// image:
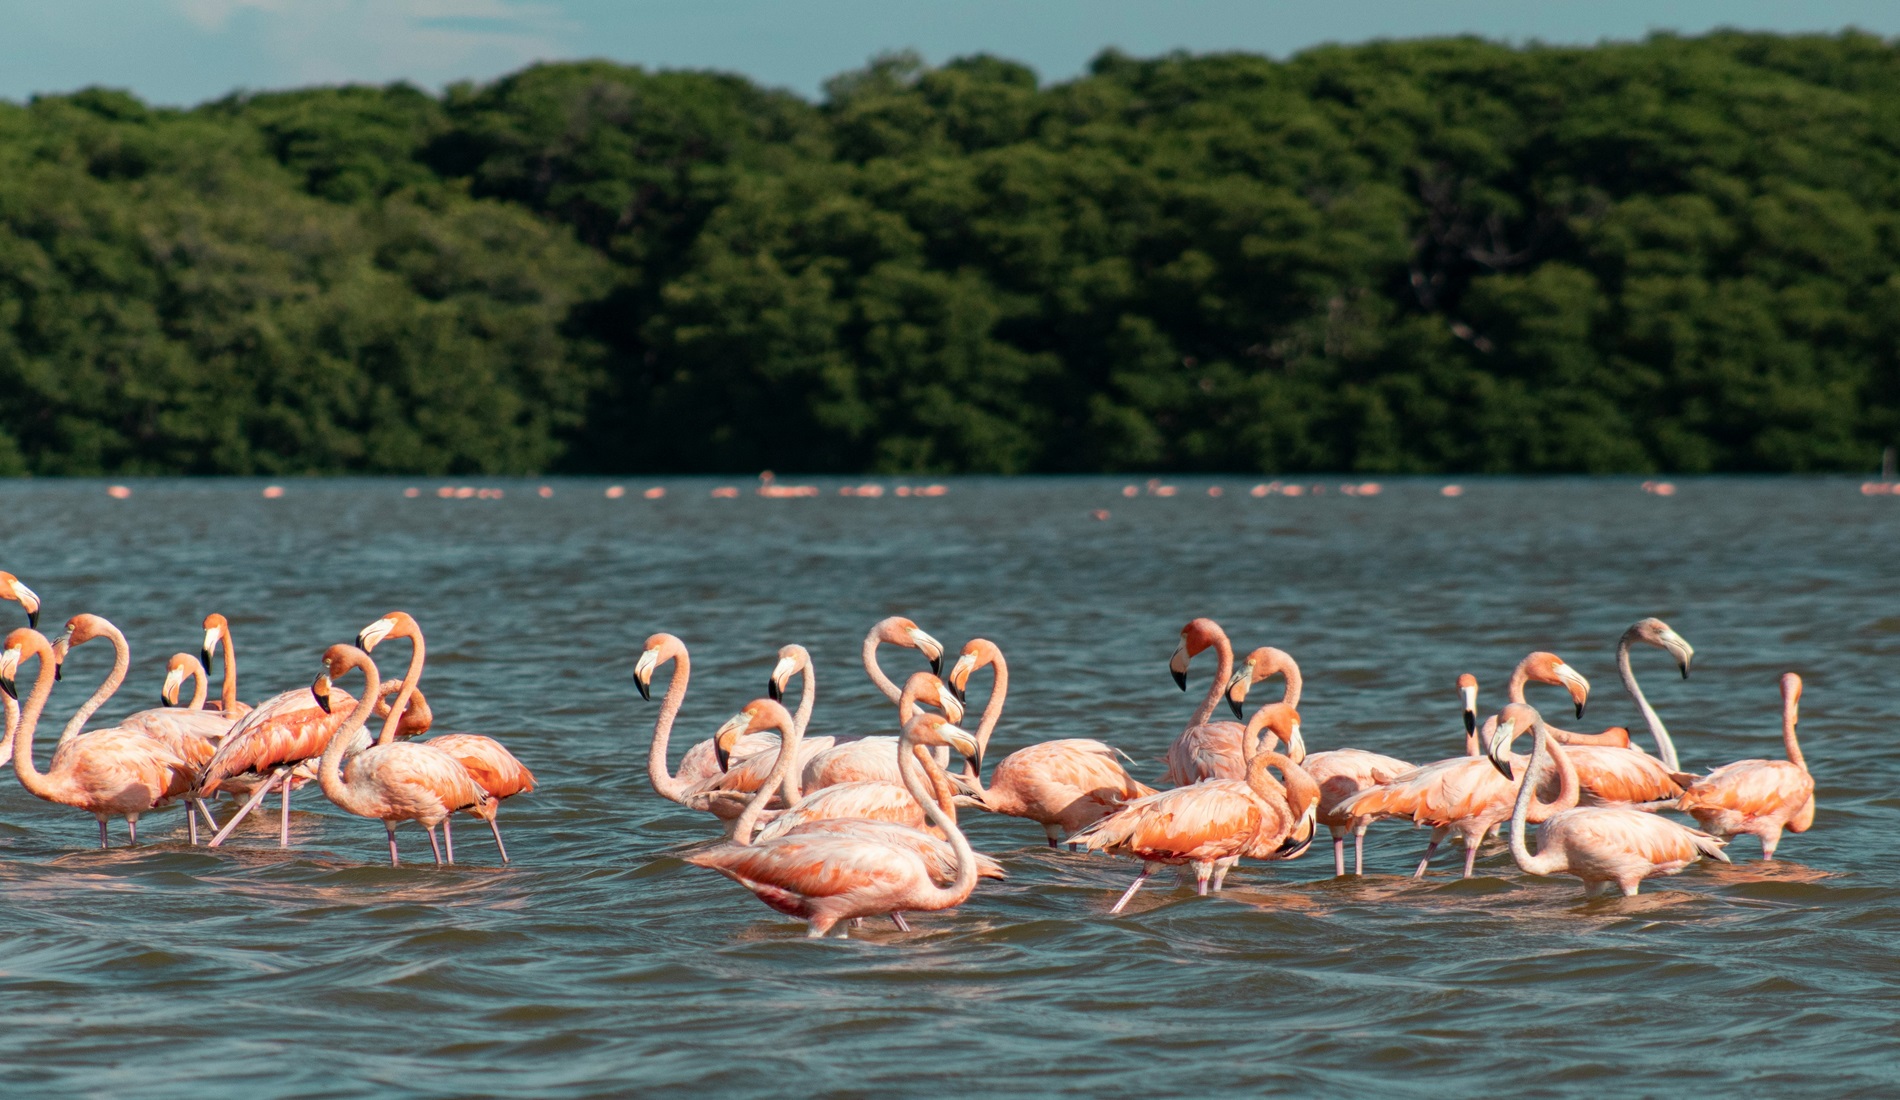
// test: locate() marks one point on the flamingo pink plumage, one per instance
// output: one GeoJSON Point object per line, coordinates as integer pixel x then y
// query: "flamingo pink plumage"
{"type": "Point", "coordinates": [218, 635]}
{"type": "Point", "coordinates": [1759, 797]}
{"type": "Point", "coordinates": [865, 759]}
{"type": "Point", "coordinates": [12, 589]}
{"type": "Point", "coordinates": [1611, 772]}
{"type": "Point", "coordinates": [1195, 753]}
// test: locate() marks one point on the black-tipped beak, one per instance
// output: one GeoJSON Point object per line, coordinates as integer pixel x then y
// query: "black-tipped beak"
{"type": "Point", "coordinates": [1471, 722]}
{"type": "Point", "coordinates": [1292, 848]}
{"type": "Point", "coordinates": [1180, 679]}
{"type": "Point", "coordinates": [359, 642]}
{"type": "Point", "coordinates": [7, 685]}
{"type": "Point", "coordinates": [720, 754]}
{"type": "Point", "coordinates": [164, 702]}
{"type": "Point", "coordinates": [772, 691]}
{"type": "Point", "coordinates": [1503, 769]}
{"type": "Point", "coordinates": [1580, 710]}
{"type": "Point", "coordinates": [1684, 666]}
{"type": "Point", "coordinates": [33, 621]}
{"type": "Point", "coordinates": [1235, 705]}
{"type": "Point", "coordinates": [58, 672]}
{"type": "Point", "coordinates": [323, 701]}
{"type": "Point", "coordinates": [958, 692]}
{"type": "Point", "coordinates": [936, 665]}
{"type": "Point", "coordinates": [204, 658]}
{"type": "Point", "coordinates": [645, 692]}
{"type": "Point", "coordinates": [976, 764]}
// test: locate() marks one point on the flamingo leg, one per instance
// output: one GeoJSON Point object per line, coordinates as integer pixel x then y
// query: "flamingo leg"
{"type": "Point", "coordinates": [1359, 851]}
{"type": "Point", "coordinates": [434, 847]}
{"type": "Point", "coordinates": [102, 833]}
{"type": "Point", "coordinates": [393, 861]}
{"type": "Point", "coordinates": [1054, 833]}
{"type": "Point", "coordinates": [496, 829]}
{"type": "Point", "coordinates": [1339, 853]}
{"type": "Point", "coordinates": [1147, 871]}
{"type": "Point", "coordinates": [206, 812]}
{"type": "Point", "coordinates": [191, 823]}
{"type": "Point", "coordinates": [1438, 835]}
{"type": "Point", "coordinates": [1221, 868]}
{"type": "Point", "coordinates": [1471, 858]}
{"type": "Point", "coordinates": [256, 797]}
{"type": "Point", "coordinates": [448, 837]}
{"type": "Point", "coordinates": [898, 919]}
{"type": "Point", "coordinates": [283, 817]}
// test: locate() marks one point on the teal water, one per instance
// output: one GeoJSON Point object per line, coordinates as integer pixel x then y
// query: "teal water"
{"type": "Point", "coordinates": [600, 964]}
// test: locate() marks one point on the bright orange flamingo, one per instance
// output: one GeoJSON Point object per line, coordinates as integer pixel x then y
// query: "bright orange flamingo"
{"type": "Point", "coordinates": [1610, 771]}
{"type": "Point", "coordinates": [828, 877]}
{"type": "Point", "coordinates": [1759, 797]}
{"type": "Point", "coordinates": [107, 773]}
{"type": "Point", "coordinates": [12, 589]}
{"type": "Point", "coordinates": [395, 782]}
{"type": "Point", "coordinates": [1196, 752]}
{"type": "Point", "coordinates": [275, 745]}
{"type": "Point", "coordinates": [488, 761]}
{"type": "Point", "coordinates": [863, 759]}
{"type": "Point", "coordinates": [1216, 821]}
{"type": "Point", "coordinates": [218, 633]}
{"type": "Point", "coordinates": [1598, 844]}
{"type": "Point", "coordinates": [1064, 785]}
{"type": "Point", "coordinates": [900, 631]}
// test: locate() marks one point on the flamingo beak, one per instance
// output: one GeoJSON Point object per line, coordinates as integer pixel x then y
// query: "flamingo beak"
{"type": "Point", "coordinates": [1680, 649]}
{"type": "Point", "coordinates": [1501, 746]}
{"type": "Point", "coordinates": [367, 637]}
{"type": "Point", "coordinates": [61, 647]}
{"type": "Point", "coordinates": [1178, 666]}
{"type": "Point", "coordinates": [174, 679]}
{"type": "Point", "coordinates": [10, 668]}
{"type": "Point", "coordinates": [932, 648]}
{"type": "Point", "coordinates": [781, 676]}
{"type": "Point", "coordinates": [208, 650]}
{"type": "Point", "coordinates": [1301, 838]}
{"type": "Point", "coordinates": [1296, 745]}
{"type": "Point", "coordinates": [961, 741]}
{"type": "Point", "coordinates": [960, 675]}
{"type": "Point", "coordinates": [952, 707]}
{"type": "Point", "coordinates": [1471, 709]}
{"type": "Point", "coordinates": [320, 689]}
{"type": "Point", "coordinates": [1236, 689]}
{"type": "Point", "coordinates": [1574, 682]}
{"type": "Point", "coordinates": [29, 600]}
{"type": "Point", "coordinates": [643, 673]}
{"type": "Point", "coordinates": [727, 737]}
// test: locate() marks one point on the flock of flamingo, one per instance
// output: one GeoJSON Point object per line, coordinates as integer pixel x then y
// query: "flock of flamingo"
{"type": "Point", "coordinates": [834, 830]}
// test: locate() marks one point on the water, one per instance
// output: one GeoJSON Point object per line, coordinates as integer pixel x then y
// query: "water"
{"type": "Point", "coordinates": [600, 964]}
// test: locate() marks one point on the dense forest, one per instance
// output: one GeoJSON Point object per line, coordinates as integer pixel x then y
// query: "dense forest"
{"type": "Point", "coordinates": [1446, 255]}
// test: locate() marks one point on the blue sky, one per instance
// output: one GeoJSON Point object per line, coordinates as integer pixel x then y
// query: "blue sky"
{"type": "Point", "coordinates": [187, 51]}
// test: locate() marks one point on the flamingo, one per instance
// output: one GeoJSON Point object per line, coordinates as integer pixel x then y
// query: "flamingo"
{"type": "Point", "coordinates": [865, 758]}
{"type": "Point", "coordinates": [1598, 844]}
{"type": "Point", "coordinates": [900, 631]}
{"type": "Point", "coordinates": [218, 632]}
{"type": "Point", "coordinates": [1758, 797]}
{"type": "Point", "coordinates": [1063, 785]}
{"type": "Point", "coordinates": [828, 876]}
{"type": "Point", "coordinates": [1196, 752]}
{"type": "Point", "coordinates": [1216, 821]}
{"type": "Point", "coordinates": [273, 745]}
{"type": "Point", "coordinates": [487, 760]}
{"type": "Point", "coordinates": [12, 589]}
{"type": "Point", "coordinates": [1611, 772]}
{"type": "Point", "coordinates": [107, 773]}
{"type": "Point", "coordinates": [392, 782]}
{"type": "Point", "coordinates": [699, 763]}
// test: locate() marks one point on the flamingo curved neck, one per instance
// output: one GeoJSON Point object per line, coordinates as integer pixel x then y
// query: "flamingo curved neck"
{"type": "Point", "coordinates": [884, 683]}
{"type": "Point", "coordinates": [992, 714]}
{"type": "Point", "coordinates": [37, 783]}
{"type": "Point", "coordinates": [658, 773]}
{"type": "Point", "coordinates": [330, 774]}
{"type": "Point", "coordinates": [784, 774]}
{"type": "Point", "coordinates": [1544, 751]}
{"type": "Point", "coordinates": [1665, 748]}
{"type": "Point", "coordinates": [909, 768]}
{"type": "Point", "coordinates": [198, 687]}
{"type": "Point", "coordinates": [1294, 682]}
{"type": "Point", "coordinates": [121, 663]}
{"type": "Point", "coordinates": [1788, 741]}
{"type": "Point", "coordinates": [227, 693]}
{"type": "Point", "coordinates": [400, 704]}
{"type": "Point", "coordinates": [808, 696]}
{"type": "Point", "coordinates": [1224, 649]}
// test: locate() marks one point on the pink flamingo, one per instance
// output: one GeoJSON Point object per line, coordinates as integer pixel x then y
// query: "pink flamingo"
{"type": "Point", "coordinates": [1759, 797]}
{"type": "Point", "coordinates": [1197, 752]}
{"type": "Point", "coordinates": [274, 745]}
{"type": "Point", "coordinates": [899, 631]}
{"type": "Point", "coordinates": [865, 759]}
{"type": "Point", "coordinates": [218, 633]}
{"type": "Point", "coordinates": [12, 589]}
{"type": "Point", "coordinates": [699, 763]}
{"type": "Point", "coordinates": [394, 782]}
{"type": "Point", "coordinates": [107, 773]}
{"type": "Point", "coordinates": [1610, 771]}
{"type": "Point", "coordinates": [827, 877]}
{"type": "Point", "coordinates": [487, 760]}
{"type": "Point", "coordinates": [1214, 822]}
{"type": "Point", "coordinates": [1063, 785]}
{"type": "Point", "coordinates": [1598, 844]}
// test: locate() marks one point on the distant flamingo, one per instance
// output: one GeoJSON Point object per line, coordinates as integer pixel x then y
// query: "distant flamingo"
{"type": "Point", "coordinates": [107, 773]}
{"type": "Point", "coordinates": [395, 782]}
{"type": "Point", "coordinates": [865, 758]}
{"type": "Point", "coordinates": [827, 877]}
{"type": "Point", "coordinates": [1595, 843]}
{"type": "Point", "coordinates": [1064, 785]}
{"type": "Point", "coordinates": [1611, 772]}
{"type": "Point", "coordinates": [1759, 797]}
{"type": "Point", "coordinates": [900, 631]}
{"type": "Point", "coordinates": [218, 633]}
{"type": "Point", "coordinates": [1215, 821]}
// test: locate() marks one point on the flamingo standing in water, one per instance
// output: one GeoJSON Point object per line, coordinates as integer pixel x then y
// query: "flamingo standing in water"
{"type": "Point", "coordinates": [488, 761]}
{"type": "Point", "coordinates": [1196, 752]}
{"type": "Point", "coordinates": [1064, 786]}
{"type": "Point", "coordinates": [1611, 772]}
{"type": "Point", "coordinates": [699, 764]}
{"type": "Point", "coordinates": [275, 744]}
{"type": "Point", "coordinates": [218, 633]}
{"type": "Point", "coordinates": [393, 782]}
{"type": "Point", "coordinates": [1759, 797]}
{"type": "Point", "coordinates": [1598, 844]}
{"type": "Point", "coordinates": [828, 876]}
{"type": "Point", "coordinates": [866, 759]}
{"type": "Point", "coordinates": [107, 773]}
{"type": "Point", "coordinates": [12, 589]}
{"type": "Point", "coordinates": [1216, 821]}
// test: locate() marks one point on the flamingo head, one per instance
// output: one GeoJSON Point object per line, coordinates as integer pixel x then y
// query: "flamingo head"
{"type": "Point", "coordinates": [1791, 692]}
{"type": "Point", "coordinates": [922, 687]}
{"type": "Point", "coordinates": [935, 730]}
{"type": "Point", "coordinates": [759, 715]}
{"type": "Point", "coordinates": [1262, 664]}
{"type": "Point", "coordinates": [417, 715]}
{"type": "Point", "coordinates": [1658, 633]}
{"type": "Point", "coordinates": [1548, 668]}
{"type": "Point", "coordinates": [791, 659]}
{"type": "Point", "coordinates": [898, 630]}
{"type": "Point", "coordinates": [1197, 635]}
{"type": "Point", "coordinates": [20, 645]}
{"type": "Point", "coordinates": [1284, 723]}
{"type": "Point", "coordinates": [12, 589]}
{"type": "Point", "coordinates": [976, 653]}
{"type": "Point", "coordinates": [1468, 695]}
{"type": "Point", "coordinates": [1505, 726]}
{"type": "Point", "coordinates": [215, 627]}
{"type": "Point", "coordinates": [396, 624]}
{"type": "Point", "coordinates": [320, 690]}
{"type": "Point", "coordinates": [180, 666]}
{"type": "Point", "coordinates": [660, 649]}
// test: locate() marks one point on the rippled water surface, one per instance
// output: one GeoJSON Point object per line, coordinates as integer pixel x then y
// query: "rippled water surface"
{"type": "Point", "coordinates": [600, 964]}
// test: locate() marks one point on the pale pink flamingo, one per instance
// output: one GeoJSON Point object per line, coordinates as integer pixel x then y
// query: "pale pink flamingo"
{"type": "Point", "coordinates": [218, 633]}
{"type": "Point", "coordinates": [107, 773]}
{"type": "Point", "coordinates": [1598, 844]}
{"type": "Point", "coordinates": [1759, 797]}
{"type": "Point", "coordinates": [1214, 822]}
{"type": "Point", "coordinates": [828, 876]}
{"type": "Point", "coordinates": [1063, 785]}
{"type": "Point", "coordinates": [12, 589]}
{"type": "Point", "coordinates": [900, 631]}
{"type": "Point", "coordinates": [1196, 752]}
{"type": "Point", "coordinates": [866, 758]}
{"type": "Point", "coordinates": [1611, 772]}
{"type": "Point", "coordinates": [487, 760]}
{"type": "Point", "coordinates": [395, 782]}
{"type": "Point", "coordinates": [699, 764]}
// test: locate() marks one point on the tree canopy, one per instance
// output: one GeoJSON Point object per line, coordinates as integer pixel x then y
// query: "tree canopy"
{"type": "Point", "coordinates": [1440, 255]}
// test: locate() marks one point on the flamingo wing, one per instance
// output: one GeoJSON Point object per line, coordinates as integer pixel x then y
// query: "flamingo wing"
{"type": "Point", "coordinates": [414, 781]}
{"type": "Point", "coordinates": [488, 762]}
{"type": "Point", "coordinates": [937, 854]}
{"type": "Point", "coordinates": [870, 801]}
{"type": "Point", "coordinates": [1210, 751]}
{"type": "Point", "coordinates": [284, 729]}
{"type": "Point", "coordinates": [1750, 788]}
{"type": "Point", "coordinates": [1211, 819]}
{"type": "Point", "coordinates": [1612, 775]}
